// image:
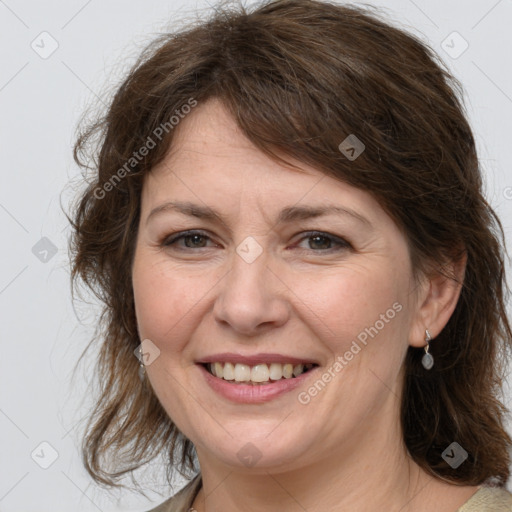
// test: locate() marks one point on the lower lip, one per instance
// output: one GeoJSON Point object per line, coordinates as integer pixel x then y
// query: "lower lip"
{"type": "Point", "coordinates": [249, 393]}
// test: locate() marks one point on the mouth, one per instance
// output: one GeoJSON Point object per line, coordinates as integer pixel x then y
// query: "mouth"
{"type": "Point", "coordinates": [257, 375]}
{"type": "Point", "coordinates": [255, 378]}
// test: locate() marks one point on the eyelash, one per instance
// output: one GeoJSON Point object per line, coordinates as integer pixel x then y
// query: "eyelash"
{"type": "Point", "coordinates": [340, 242]}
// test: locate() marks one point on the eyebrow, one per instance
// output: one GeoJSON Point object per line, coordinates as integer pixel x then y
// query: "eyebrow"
{"type": "Point", "coordinates": [286, 215]}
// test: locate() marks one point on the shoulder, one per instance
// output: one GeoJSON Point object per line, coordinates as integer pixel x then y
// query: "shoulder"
{"type": "Point", "coordinates": [182, 500]}
{"type": "Point", "coordinates": [488, 499]}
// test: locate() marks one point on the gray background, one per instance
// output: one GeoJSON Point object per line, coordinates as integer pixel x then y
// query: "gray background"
{"type": "Point", "coordinates": [41, 98]}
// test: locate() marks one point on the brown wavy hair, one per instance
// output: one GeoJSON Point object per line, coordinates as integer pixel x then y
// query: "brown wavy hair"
{"type": "Point", "coordinates": [299, 76]}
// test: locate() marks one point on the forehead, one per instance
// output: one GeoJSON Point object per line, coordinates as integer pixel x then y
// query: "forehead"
{"type": "Point", "coordinates": [211, 162]}
{"type": "Point", "coordinates": [210, 138]}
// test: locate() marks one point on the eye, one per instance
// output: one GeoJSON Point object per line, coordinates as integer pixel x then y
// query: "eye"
{"type": "Point", "coordinates": [191, 240]}
{"type": "Point", "coordinates": [323, 242]}
{"type": "Point", "coordinates": [317, 241]}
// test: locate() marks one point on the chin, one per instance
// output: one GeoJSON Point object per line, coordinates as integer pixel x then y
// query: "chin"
{"type": "Point", "coordinates": [255, 450]}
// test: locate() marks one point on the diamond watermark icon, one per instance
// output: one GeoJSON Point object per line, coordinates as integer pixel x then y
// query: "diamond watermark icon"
{"type": "Point", "coordinates": [44, 250]}
{"type": "Point", "coordinates": [454, 45]}
{"type": "Point", "coordinates": [44, 455]}
{"type": "Point", "coordinates": [147, 352]}
{"type": "Point", "coordinates": [249, 455]}
{"type": "Point", "coordinates": [44, 45]}
{"type": "Point", "coordinates": [455, 455]}
{"type": "Point", "coordinates": [249, 249]}
{"type": "Point", "coordinates": [352, 147]}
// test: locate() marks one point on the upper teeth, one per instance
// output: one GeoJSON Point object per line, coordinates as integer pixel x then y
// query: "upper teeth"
{"type": "Point", "coordinates": [258, 373]}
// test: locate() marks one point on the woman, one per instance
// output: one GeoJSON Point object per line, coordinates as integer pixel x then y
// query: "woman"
{"type": "Point", "coordinates": [286, 226]}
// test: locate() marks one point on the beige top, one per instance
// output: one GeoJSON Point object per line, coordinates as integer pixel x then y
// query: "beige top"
{"type": "Point", "coordinates": [486, 499]}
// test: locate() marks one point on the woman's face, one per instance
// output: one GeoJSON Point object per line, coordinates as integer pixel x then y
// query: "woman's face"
{"type": "Point", "coordinates": [275, 267]}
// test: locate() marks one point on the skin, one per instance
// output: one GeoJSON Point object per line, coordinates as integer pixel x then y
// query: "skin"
{"type": "Point", "coordinates": [302, 296]}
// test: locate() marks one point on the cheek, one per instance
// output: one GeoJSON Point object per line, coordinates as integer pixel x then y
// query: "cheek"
{"type": "Point", "coordinates": [351, 299]}
{"type": "Point", "coordinates": [366, 305]}
{"type": "Point", "coordinates": [165, 304]}
{"type": "Point", "coordinates": [366, 318]}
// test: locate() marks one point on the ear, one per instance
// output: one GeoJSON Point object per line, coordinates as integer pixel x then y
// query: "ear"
{"type": "Point", "coordinates": [437, 298]}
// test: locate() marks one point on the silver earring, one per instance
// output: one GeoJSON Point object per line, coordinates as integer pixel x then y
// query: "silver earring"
{"type": "Point", "coordinates": [427, 360]}
{"type": "Point", "coordinates": [142, 367]}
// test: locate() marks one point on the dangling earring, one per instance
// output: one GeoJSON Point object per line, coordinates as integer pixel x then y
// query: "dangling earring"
{"type": "Point", "coordinates": [427, 360]}
{"type": "Point", "coordinates": [142, 367]}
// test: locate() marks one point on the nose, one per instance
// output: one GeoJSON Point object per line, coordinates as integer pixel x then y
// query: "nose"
{"type": "Point", "coordinates": [252, 299]}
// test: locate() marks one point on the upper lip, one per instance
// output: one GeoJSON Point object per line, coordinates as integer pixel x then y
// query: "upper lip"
{"type": "Point", "coordinates": [254, 359]}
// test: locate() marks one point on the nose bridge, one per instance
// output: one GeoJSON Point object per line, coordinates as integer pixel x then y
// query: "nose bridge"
{"type": "Point", "coordinates": [249, 298]}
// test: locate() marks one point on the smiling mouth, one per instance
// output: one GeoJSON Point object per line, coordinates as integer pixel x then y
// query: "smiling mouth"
{"type": "Point", "coordinates": [259, 374]}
